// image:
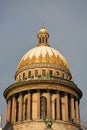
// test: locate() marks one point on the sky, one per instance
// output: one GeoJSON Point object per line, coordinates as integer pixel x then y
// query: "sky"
{"type": "Point", "coordinates": [66, 22]}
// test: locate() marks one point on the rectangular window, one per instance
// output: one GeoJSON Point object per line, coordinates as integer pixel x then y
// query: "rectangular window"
{"type": "Point", "coordinates": [36, 73]}
{"type": "Point", "coordinates": [43, 72]}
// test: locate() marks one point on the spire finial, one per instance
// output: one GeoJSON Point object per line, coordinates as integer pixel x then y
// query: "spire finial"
{"type": "Point", "coordinates": [43, 25]}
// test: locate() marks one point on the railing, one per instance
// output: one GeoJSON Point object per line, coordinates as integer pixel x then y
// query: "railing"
{"type": "Point", "coordinates": [49, 78]}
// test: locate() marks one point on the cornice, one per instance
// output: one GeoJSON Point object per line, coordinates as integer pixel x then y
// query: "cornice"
{"type": "Point", "coordinates": [53, 84]}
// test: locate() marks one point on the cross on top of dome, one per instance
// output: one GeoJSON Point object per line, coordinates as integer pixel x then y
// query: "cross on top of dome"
{"type": "Point", "coordinates": [43, 37]}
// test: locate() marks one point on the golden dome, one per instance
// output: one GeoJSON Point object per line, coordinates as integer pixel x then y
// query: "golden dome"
{"type": "Point", "coordinates": [43, 54]}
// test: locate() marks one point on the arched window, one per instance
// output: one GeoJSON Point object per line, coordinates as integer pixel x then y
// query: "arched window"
{"type": "Point", "coordinates": [43, 107]}
{"type": "Point", "coordinates": [42, 39]}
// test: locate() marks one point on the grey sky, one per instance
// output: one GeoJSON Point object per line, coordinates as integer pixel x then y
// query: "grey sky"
{"type": "Point", "coordinates": [66, 21]}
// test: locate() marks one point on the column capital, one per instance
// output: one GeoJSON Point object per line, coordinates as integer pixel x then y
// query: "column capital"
{"type": "Point", "coordinates": [8, 98]}
{"type": "Point", "coordinates": [76, 99]}
{"type": "Point", "coordinates": [13, 95]}
{"type": "Point", "coordinates": [65, 93]}
{"type": "Point", "coordinates": [28, 91]}
{"type": "Point", "coordinates": [58, 92]}
{"type": "Point", "coordinates": [38, 90]}
{"type": "Point", "coordinates": [20, 93]}
{"type": "Point", "coordinates": [72, 96]}
{"type": "Point", "coordinates": [48, 90]}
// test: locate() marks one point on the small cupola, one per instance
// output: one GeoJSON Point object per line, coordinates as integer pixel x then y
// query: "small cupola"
{"type": "Point", "coordinates": [43, 37]}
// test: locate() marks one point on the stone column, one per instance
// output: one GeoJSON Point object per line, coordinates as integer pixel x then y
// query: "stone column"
{"type": "Point", "coordinates": [77, 110]}
{"type": "Point", "coordinates": [6, 112]}
{"type": "Point", "coordinates": [48, 104]}
{"type": "Point", "coordinates": [20, 108]}
{"type": "Point", "coordinates": [38, 104]}
{"type": "Point", "coordinates": [29, 106]}
{"type": "Point", "coordinates": [9, 111]}
{"type": "Point", "coordinates": [58, 106]}
{"type": "Point", "coordinates": [66, 107]}
{"type": "Point", "coordinates": [13, 109]}
{"type": "Point", "coordinates": [72, 108]}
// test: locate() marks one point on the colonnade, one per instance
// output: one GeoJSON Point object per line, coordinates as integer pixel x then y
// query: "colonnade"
{"type": "Point", "coordinates": [14, 111]}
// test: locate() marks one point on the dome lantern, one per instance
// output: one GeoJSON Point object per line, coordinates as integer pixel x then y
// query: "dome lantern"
{"type": "Point", "coordinates": [43, 37]}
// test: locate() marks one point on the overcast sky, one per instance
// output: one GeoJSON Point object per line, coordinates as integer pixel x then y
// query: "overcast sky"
{"type": "Point", "coordinates": [66, 21]}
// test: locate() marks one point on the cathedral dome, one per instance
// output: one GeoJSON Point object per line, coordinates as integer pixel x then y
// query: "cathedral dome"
{"type": "Point", "coordinates": [43, 54]}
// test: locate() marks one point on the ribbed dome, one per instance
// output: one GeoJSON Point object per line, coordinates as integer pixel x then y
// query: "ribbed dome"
{"type": "Point", "coordinates": [43, 54]}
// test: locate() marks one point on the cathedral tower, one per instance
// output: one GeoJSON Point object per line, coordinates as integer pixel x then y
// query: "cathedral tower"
{"type": "Point", "coordinates": [43, 95]}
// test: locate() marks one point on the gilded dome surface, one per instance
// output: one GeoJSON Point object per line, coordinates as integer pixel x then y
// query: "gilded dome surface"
{"type": "Point", "coordinates": [43, 54]}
